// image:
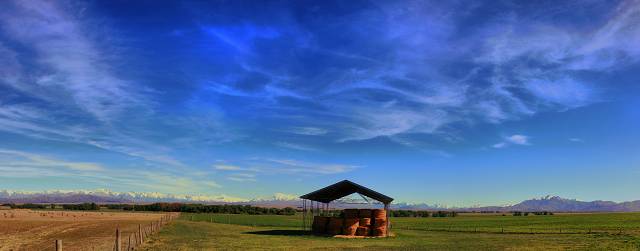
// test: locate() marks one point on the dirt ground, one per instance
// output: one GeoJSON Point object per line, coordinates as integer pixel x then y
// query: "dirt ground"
{"type": "Point", "coordinates": [24, 229]}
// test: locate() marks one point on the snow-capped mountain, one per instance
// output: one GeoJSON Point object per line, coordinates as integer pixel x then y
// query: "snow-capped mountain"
{"type": "Point", "coordinates": [547, 203]}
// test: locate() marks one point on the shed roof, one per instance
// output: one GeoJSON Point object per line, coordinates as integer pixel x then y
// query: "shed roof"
{"type": "Point", "coordinates": [342, 189]}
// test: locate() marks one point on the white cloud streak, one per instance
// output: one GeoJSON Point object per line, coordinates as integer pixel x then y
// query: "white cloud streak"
{"type": "Point", "coordinates": [72, 65]}
{"type": "Point", "coordinates": [516, 139]}
{"type": "Point", "coordinates": [21, 164]}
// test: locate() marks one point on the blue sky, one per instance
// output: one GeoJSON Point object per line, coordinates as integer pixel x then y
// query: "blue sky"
{"type": "Point", "coordinates": [442, 102]}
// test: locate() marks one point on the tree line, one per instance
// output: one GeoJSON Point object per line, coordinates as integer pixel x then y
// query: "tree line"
{"type": "Point", "coordinates": [412, 213]}
{"type": "Point", "coordinates": [200, 208]}
{"type": "Point", "coordinates": [518, 213]}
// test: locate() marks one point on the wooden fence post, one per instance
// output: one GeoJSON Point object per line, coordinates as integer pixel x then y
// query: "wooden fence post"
{"type": "Point", "coordinates": [118, 241]}
{"type": "Point", "coordinates": [140, 233]}
{"type": "Point", "coordinates": [58, 245]}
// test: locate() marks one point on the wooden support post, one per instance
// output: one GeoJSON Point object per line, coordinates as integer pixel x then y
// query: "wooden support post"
{"type": "Point", "coordinates": [129, 243]}
{"type": "Point", "coordinates": [118, 240]}
{"type": "Point", "coordinates": [140, 233]}
{"type": "Point", "coordinates": [386, 209]}
{"type": "Point", "coordinates": [58, 245]}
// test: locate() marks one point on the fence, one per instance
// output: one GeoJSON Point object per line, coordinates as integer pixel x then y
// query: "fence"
{"type": "Point", "coordinates": [134, 239]}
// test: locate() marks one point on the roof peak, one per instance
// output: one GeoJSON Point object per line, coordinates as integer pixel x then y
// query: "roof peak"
{"type": "Point", "coordinates": [344, 188]}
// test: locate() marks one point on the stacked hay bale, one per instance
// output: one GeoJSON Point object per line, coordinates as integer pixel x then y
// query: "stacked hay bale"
{"type": "Point", "coordinates": [379, 222]}
{"type": "Point", "coordinates": [320, 224]}
{"type": "Point", "coordinates": [350, 226]}
{"type": "Point", "coordinates": [334, 226]}
{"type": "Point", "coordinates": [364, 227]}
{"type": "Point", "coordinates": [351, 221]}
{"type": "Point", "coordinates": [358, 222]}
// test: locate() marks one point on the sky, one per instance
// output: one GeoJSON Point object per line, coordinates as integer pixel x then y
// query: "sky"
{"type": "Point", "coordinates": [442, 102]}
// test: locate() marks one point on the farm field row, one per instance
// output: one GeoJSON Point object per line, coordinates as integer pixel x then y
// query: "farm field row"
{"type": "Point", "coordinates": [79, 230]}
{"type": "Point", "coordinates": [284, 234]}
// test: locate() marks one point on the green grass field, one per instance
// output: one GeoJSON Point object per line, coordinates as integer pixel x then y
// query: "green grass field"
{"type": "Point", "coordinates": [610, 231]}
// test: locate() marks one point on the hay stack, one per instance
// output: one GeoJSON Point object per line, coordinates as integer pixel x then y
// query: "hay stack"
{"type": "Point", "coordinates": [380, 222]}
{"type": "Point", "coordinates": [362, 231]}
{"type": "Point", "coordinates": [350, 213]}
{"type": "Point", "coordinates": [378, 213]}
{"type": "Point", "coordinates": [335, 226]}
{"type": "Point", "coordinates": [379, 231]}
{"type": "Point", "coordinates": [365, 221]}
{"type": "Point", "coordinates": [320, 224]}
{"type": "Point", "coordinates": [364, 213]}
{"type": "Point", "coordinates": [379, 225]}
{"type": "Point", "coordinates": [350, 226]}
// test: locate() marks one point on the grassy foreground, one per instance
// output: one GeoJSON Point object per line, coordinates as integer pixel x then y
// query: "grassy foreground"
{"type": "Point", "coordinates": [246, 232]}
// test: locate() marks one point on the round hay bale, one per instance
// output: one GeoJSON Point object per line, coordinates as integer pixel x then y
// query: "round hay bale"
{"type": "Point", "coordinates": [335, 226]}
{"type": "Point", "coordinates": [320, 224]}
{"type": "Point", "coordinates": [379, 231]}
{"type": "Point", "coordinates": [350, 213]}
{"type": "Point", "coordinates": [364, 213]}
{"type": "Point", "coordinates": [362, 231]}
{"type": "Point", "coordinates": [378, 213]}
{"type": "Point", "coordinates": [350, 230]}
{"type": "Point", "coordinates": [380, 222]}
{"type": "Point", "coordinates": [349, 222]}
{"type": "Point", "coordinates": [365, 221]}
{"type": "Point", "coordinates": [350, 226]}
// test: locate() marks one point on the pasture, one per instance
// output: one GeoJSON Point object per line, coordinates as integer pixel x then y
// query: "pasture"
{"type": "Point", "coordinates": [94, 230]}
{"type": "Point", "coordinates": [598, 231]}
{"type": "Point", "coordinates": [24, 229]}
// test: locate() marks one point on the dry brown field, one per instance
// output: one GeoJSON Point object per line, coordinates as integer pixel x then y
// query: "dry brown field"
{"type": "Point", "coordinates": [24, 229]}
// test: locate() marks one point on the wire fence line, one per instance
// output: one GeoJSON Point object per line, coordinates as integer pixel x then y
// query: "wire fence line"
{"type": "Point", "coordinates": [133, 240]}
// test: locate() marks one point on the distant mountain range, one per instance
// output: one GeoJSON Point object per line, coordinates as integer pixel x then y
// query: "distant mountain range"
{"type": "Point", "coordinates": [106, 196]}
{"type": "Point", "coordinates": [547, 203]}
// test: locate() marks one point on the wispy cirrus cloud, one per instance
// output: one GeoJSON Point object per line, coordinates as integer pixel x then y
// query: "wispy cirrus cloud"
{"type": "Point", "coordinates": [311, 131]}
{"type": "Point", "coordinates": [19, 158]}
{"type": "Point", "coordinates": [22, 164]}
{"type": "Point", "coordinates": [242, 177]}
{"type": "Point", "coordinates": [227, 167]}
{"type": "Point", "coordinates": [66, 84]}
{"type": "Point", "coordinates": [516, 139]}
{"type": "Point", "coordinates": [70, 64]}
{"type": "Point", "coordinates": [294, 146]}
{"type": "Point", "coordinates": [504, 68]}
{"type": "Point", "coordinates": [576, 140]}
{"type": "Point", "coordinates": [251, 169]}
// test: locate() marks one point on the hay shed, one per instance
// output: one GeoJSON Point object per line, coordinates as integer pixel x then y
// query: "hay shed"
{"type": "Point", "coordinates": [317, 203]}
